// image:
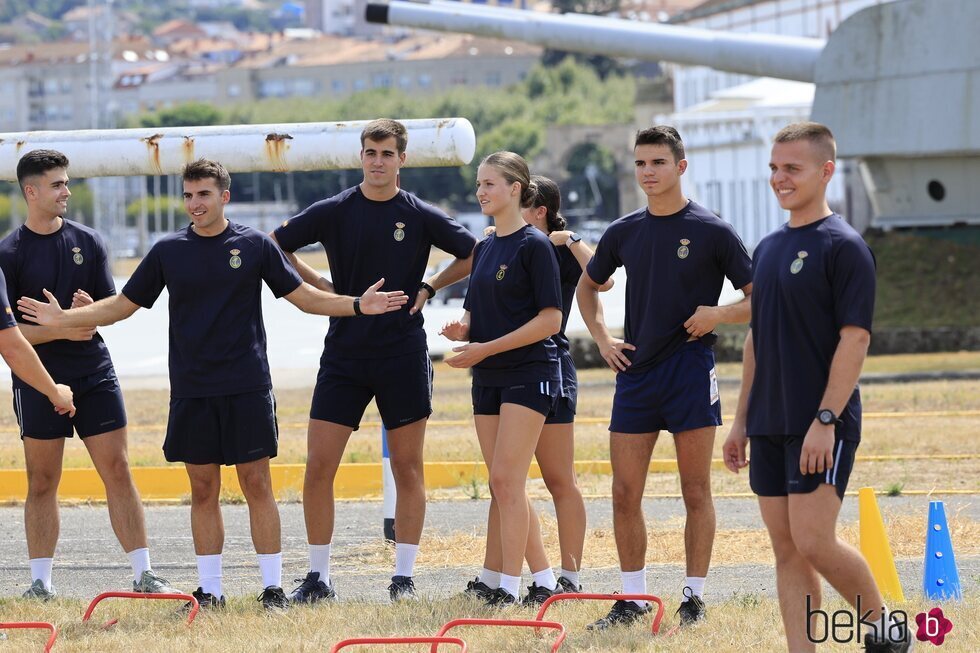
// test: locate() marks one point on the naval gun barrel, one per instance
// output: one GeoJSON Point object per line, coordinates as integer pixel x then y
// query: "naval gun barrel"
{"type": "Point", "coordinates": [241, 148]}
{"type": "Point", "coordinates": [762, 55]}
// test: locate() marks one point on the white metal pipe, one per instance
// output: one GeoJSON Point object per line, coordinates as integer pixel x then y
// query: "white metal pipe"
{"type": "Point", "coordinates": [764, 55]}
{"type": "Point", "coordinates": [240, 148]}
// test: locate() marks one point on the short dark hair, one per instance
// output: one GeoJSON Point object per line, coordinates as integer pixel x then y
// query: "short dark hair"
{"type": "Point", "coordinates": [207, 169]}
{"type": "Point", "coordinates": [548, 195]}
{"type": "Point", "coordinates": [813, 132]}
{"type": "Point", "coordinates": [383, 129]}
{"type": "Point", "coordinates": [661, 135]}
{"type": "Point", "coordinates": [37, 162]}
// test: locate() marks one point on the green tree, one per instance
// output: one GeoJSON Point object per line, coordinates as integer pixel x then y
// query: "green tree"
{"type": "Point", "coordinates": [190, 114]}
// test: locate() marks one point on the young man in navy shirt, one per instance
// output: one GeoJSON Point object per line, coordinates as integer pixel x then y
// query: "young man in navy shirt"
{"type": "Point", "coordinates": [677, 255]}
{"type": "Point", "coordinates": [799, 406]}
{"type": "Point", "coordinates": [373, 230]}
{"type": "Point", "coordinates": [222, 410]}
{"type": "Point", "coordinates": [49, 251]}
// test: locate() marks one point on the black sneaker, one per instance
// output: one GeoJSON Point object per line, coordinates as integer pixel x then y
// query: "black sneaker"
{"type": "Point", "coordinates": [623, 613]}
{"type": "Point", "coordinates": [402, 588]}
{"type": "Point", "coordinates": [478, 589]}
{"type": "Point", "coordinates": [206, 601]}
{"type": "Point", "coordinates": [692, 610]}
{"type": "Point", "coordinates": [500, 598]}
{"type": "Point", "coordinates": [312, 589]}
{"type": "Point", "coordinates": [568, 587]}
{"type": "Point", "coordinates": [536, 594]}
{"type": "Point", "coordinates": [872, 645]}
{"type": "Point", "coordinates": [273, 598]}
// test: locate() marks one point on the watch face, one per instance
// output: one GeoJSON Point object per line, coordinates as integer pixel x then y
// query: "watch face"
{"type": "Point", "coordinates": [826, 417]}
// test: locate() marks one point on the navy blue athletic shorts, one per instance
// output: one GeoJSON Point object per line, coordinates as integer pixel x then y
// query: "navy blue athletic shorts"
{"type": "Point", "coordinates": [774, 466]}
{"type": "Point", "coordinates": [401, 386]}
{"type": "Point", "coordinates": [678, 394]}
{"type": "Point", "coordinates": [563, 412]}
{"type": "Point", "coordinates": [99, 408]}
{"type": "Point", "coordinates": [223, 430]}
{"type": "Point", "coordinates": [539, 397]}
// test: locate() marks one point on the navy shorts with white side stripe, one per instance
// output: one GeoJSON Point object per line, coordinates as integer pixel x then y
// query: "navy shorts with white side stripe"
{"type": "Point", "coordinates": [99, 408]}
{"type": "Point", "coordinates": [222, 430]}
{"type": "Point", "coordinates": [539, 397]}
{"type": "Point", "coordinates": [678, 394]}
{"type": "Point", "coordinates": [774, 466]}
{"type": "Point", "coordinates": [401, 386]}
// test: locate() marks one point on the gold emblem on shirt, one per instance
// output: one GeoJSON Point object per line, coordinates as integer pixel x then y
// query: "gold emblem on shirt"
{"type": "Point", "coordinates": [683, 250]}
{"type": "Point", "coordinates": [797, 263]}
{"type": "Point", "coordinates": [235, 262]}
{"type": "Point", "coordinates": [78, 258]}
{"type": "Point", "coordinates": [501, 272]}
{"type": "Point", "coordinates": [399, 231]}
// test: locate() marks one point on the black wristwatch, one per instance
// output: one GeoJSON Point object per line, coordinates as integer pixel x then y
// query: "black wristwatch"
{"type": "Point", "coordinates": [429, 289]}
{"type": "Point", "coordinates": [826, 416]}
{"type": "Point", "coordinates": [357, 306]}
{"type": "Point", "coordinates": [572, 239]}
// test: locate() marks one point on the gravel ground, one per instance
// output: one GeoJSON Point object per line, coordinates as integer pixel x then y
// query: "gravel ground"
{"type": "Point", "coordinates": [89, 559]}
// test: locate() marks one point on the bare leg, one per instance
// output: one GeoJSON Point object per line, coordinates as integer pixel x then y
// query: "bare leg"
{"type": "Point", "coordinates": [486, 433]}
{"type": "Point", "coordinates": [556, 457]}
{"type": "Point", "coordinates": [694, 465]}
{"type": "Point", "coordinates": [207, 528]}
{"type": "Point", "coordinates": [630, 456]}
{"type": "Point", "coordinates": [405, 446]}
{"type": "Point", "coordinates": [263, 513]}
{"type": "Point", "coordinates": [43, 462]}
{"type": "Point", "coordinates": [108, 452]}
{"type": "Point", "coordinates": [795, 576]}
{"type": "Point", "coordinates": [326, 442]}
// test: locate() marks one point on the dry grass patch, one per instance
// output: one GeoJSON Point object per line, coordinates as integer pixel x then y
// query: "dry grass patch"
{"type": "Point", "coordinates": [744, 622]}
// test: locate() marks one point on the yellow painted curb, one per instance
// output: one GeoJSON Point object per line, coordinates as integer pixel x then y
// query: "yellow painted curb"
{"type": "Point", "coordinates": [354, 480]}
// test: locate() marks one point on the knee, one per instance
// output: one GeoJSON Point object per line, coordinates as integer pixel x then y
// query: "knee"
{"type": "Point", "coordinates": [205, 491]}
{"type": "Point", "coordinates": [626, 496]}
{"type": "Point", "coordinates": [116, 473]}
{"type": "Point", "coordinates": [813, 549]}
{"type": "Point", "coordinates": [407, 474]}
{"type": "Point", "coordinates": [784, 549]}
{"type": "Point", "coordinates": [43, 482]}
{"type": "Point", "coordinates": [697, 496]}
{"type": "Point", "coordinates": [506, 489]}
{"type": "Point", "coordinates": [255, 484]}
{"type": "Point", "coordinates": [562, 487]}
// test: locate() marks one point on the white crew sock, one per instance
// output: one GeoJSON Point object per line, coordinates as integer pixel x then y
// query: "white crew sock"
{"type": "Point", "coordinates": [511, 584]}
{"type": "Point", "coordinates": [320, 561]}
{"type": "Point", "coordinates": [405, 555]}
{"type": "Point", "coordinates": [139, 560]}
{"type": "Point", "coordinates": [545, 578]}
{"type": "Point", "coordinates": [41, 570]}
{"type": "Point", "coordinates": [490, 578]}
{"type": "Point", "coordinates": [635, 582]}
{"type": "Point", "coordinates": [697, 587]}
{"type": "Point", "coordinates": [570, 575]}
{"type": "Point", "coordinates": [270, 566]}
{"type": "Point", "coordinates": [209, 574]}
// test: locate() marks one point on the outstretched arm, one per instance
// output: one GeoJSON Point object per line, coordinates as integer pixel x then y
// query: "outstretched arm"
{"type": "Point", "coordinates": [449, 275]}
{"type": "Point", "coordinates": [373, 302]}
{"type": "Point", "coordinates": [706, 318]}
{"type": "Point", "coordinates": [306, 271]}
{"type": "Point", "coordinates": [102, 313]}
{"type": "Point", "coordinates": [23, 362]}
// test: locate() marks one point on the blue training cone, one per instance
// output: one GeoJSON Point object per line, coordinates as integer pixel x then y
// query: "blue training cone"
{"type": "Point", "coordinates": [941, 580]}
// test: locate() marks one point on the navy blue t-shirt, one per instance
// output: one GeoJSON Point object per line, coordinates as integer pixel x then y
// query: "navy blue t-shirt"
{"type": "Point", "coordinates": [7, 320]}
{"type": "Point", "coordinates": [807, 283]}
{"type": "Point", "coordinates": [366, 240]}
{"type": "Point", "coordinates": [514, 277]}
{"type": "Point", "coordinates": [217, 338]}
{"type": "Point", "coordinates": [72, 258]}
{"type": "Point", "coordinates": [674, 263]}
